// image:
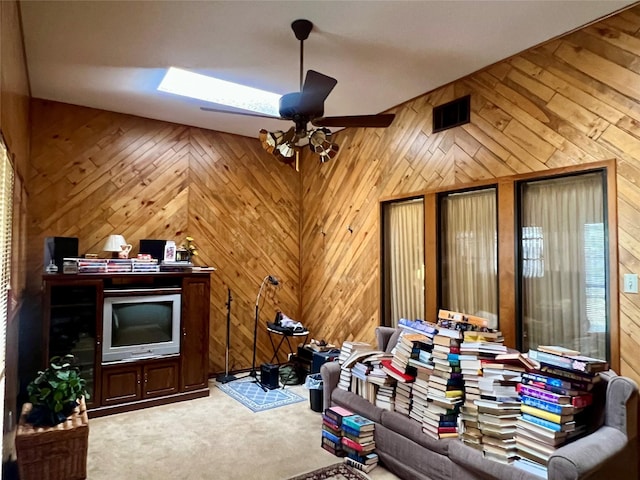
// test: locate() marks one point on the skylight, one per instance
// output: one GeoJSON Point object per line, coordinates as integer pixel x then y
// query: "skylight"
{"type": "Point", "coordinates": [214, 90]}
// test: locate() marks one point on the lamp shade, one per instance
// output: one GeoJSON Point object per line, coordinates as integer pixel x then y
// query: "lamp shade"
{"type": "Point", "coordinates": [114, 243]}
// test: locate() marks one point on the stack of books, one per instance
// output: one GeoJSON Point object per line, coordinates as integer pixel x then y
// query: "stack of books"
{"type": "Point", "coordinates": [419, 400]}
{"type": "Point", "coordinates": [445, 387]}
{"type": "Point", "coordinates": [554, 401]}
{"type": "Point", "coordinates": [471, 370]}
{"type": "Point", "coordinates": [346, 359]}
{"type": "Point", "coordinates": [332, 429]}
{"type": "Point", "coordinates": [149, 265]}
{"type": "Point", "coordinates": [386, 397]}
{"type": "Point", "coordinates": [409, 347]}
{"type": "Point", "coordinates": [358, 442]}
{"type": "Point", "coordinates": [403, 398]}
{"type": "Point", "coordinates": [497, 422]}
{"type": "Point", "coordinates": [119, 265]}
{"type": "Point", "coordinates": [85, 265]}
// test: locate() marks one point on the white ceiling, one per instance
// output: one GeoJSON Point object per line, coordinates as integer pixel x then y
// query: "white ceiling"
{"type": "Point", "coordinates": [111, 55]}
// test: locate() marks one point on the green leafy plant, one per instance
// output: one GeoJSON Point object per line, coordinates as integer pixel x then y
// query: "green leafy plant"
{"type": "Point", "coordinates": [55, 392]}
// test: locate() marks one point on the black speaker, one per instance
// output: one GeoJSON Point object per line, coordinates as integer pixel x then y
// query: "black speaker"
{"type": "Point", "coordinates": [155, 248]}
{"type": "Point", "coordinates": [58, 248]}
{"type": "Point", "coordinates": [269, 375]}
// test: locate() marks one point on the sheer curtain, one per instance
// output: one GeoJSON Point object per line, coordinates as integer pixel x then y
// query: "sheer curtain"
{"type": "Point", "coordinates": [563, 264]}
{"type": "Point", "coordinates": [406, 259]}
{"type": "Point", "coordinates": [468, 249]}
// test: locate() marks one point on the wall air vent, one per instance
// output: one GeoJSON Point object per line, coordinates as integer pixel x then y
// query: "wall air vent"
{"type": "Point", "coordinates": [452, 114]}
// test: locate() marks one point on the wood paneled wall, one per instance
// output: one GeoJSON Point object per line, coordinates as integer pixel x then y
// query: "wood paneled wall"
{"type": "Point", "coordinates": [95, 173]}
{"type": "Point", "coordinates": [574, 100]}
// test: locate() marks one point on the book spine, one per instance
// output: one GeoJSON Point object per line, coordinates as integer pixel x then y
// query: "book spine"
{"type": "Point", "coordinates": [541, 422]}
{"type": "Point", "coordinates": [354, 427]}
{"type": "Point", "coordinates": [539, 393]}
{"type": "Point", "coordinates": [360, 466]}
{"type": "Point", "coordinates": [331, 443]}
{"type": "Point", "coordinates": [572, 375]}
{"type": "Point", "coordinates": [550, 359]}
{"type": "Point", "coordinates": [331, 436]}
{"type": "Point", "coordinates": [351, 444]}
{"type": "Point", "coordinates": [554, 384]}
{"type": "Point", "coordinates": [544, 405]}
{"type": "Point", "coordinates": [537, 412]}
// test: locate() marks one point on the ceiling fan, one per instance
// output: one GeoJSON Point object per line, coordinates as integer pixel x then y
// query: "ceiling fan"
{"type": "Point", "coordinates": [307, 106]}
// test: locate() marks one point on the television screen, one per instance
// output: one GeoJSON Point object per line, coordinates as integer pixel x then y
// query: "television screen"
{"type": "Point", "coordinates": [141, 323]}
{"type": "Point", "coordinates": [140, 326]}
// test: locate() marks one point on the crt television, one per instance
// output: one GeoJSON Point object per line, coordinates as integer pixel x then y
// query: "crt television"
{"type": "Point", "coordinates": [140, 326]}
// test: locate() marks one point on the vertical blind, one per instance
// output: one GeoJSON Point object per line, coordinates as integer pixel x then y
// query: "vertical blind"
{"type": "Point", "coordinates": [6, 208]}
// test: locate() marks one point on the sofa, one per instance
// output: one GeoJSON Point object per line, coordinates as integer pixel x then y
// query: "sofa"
{"type": "Point", "coordinates": [610, 451]}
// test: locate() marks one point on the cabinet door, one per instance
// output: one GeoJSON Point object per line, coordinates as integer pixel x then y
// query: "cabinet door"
{"type": "Point", "coordinates": [72, 325]}
{"type": "Point", "coordinates": [160, 378]}
{"type": "Point", "coordinates": [194, 351]}
{"type": "Point", "coordinates": [121, 383]}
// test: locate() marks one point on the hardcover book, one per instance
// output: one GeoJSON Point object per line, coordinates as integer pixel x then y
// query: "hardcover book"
{"type": "Point", "coordinates": [358, 423]}
{"type": "Point", "coordinates": [337, 413]}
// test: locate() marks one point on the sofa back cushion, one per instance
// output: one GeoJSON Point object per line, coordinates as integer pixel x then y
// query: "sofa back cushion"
{"type": "Point", "coordinates": [356, 404]}
{"type": "Point", "coordinates": [412, 429]}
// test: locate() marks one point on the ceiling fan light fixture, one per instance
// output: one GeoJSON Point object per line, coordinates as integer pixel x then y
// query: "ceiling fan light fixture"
{"type": "Point", "coordinates": [320, 142]}
{"type": "Point", "coordinates": [287, 150]}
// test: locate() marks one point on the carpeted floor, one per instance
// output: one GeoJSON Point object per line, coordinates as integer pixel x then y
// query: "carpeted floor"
{"type": "Point", "coordinates": [210, 438]}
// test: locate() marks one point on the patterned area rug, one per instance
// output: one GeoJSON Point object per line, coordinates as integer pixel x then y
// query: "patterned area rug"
{"type": "Point", "coordinates": [339, 471]}
{"type": "Point", "coordinates": [252, 396]}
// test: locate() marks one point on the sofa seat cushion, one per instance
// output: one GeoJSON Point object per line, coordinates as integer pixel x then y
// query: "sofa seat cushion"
{"type": "Point", "coordinates": [356, 404]}
{"type": "Point", "coordinates": [412, 429]}
{"type": "Point", "coordinates": [467, 460]}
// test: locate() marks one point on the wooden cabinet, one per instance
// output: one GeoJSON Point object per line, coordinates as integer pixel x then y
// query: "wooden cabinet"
{"type": "Point", "coordinates": [195, 333]}
{"type": "Point", "coordinates": [73, 323]}
{"type": "Point", "coordinates": [129, 382]}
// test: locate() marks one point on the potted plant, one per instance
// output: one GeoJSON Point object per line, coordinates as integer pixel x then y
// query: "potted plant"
{"type": "Point", "coordinates": [55, 392]}
{"type": "Point", "coordinates": [53, 433]}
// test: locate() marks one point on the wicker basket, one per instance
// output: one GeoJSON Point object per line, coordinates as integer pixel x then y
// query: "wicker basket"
{"type": "Point", "coordinates": [53, 453]}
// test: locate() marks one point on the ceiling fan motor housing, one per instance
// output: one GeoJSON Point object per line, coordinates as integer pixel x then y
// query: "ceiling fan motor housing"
{"type": "Point", "coordinates": [290, 107]}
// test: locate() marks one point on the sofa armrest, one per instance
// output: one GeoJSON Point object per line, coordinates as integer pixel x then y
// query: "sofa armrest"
{"type": "Point", "coordinates": [611, 451]}
{"type": "Point", "coordinates": [383, 334]}
{"type": "Point", "coordinates": [330, 373]}
{"type": "Point", "coordinates": [622, 405]}
{"type": "Point", "coordinates": [594, 456]}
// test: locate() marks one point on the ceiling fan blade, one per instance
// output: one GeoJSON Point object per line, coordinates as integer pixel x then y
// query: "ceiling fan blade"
{"type": "Point", "coordinates": [315, 91]}
{"type": "Point", "coordinates": [246, 114]}
{"type": "Point", "coordinates": [374, 121]}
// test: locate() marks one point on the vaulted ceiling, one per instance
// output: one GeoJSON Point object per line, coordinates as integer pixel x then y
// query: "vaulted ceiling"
{"type": "Point", "coordinates": [112, 54]}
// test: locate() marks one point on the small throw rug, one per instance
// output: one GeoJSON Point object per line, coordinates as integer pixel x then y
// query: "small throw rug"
{"type": "Point", "coordinates": [251, 395]}
{"type": "Point", "coordinates": [339, 471]}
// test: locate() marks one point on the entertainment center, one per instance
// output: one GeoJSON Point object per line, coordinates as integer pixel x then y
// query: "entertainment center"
{"type": "Point", "coordinates": [140, 339]}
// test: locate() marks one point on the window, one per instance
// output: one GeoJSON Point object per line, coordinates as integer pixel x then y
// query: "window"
{"type": "Point", "coordinates": [6, 207]}
{"type": "Point", "coordinates": [403, 247]}
{"type": "Point", "coordinates": [529, 252]}
{"type": "Point", "coordinates": [468, 253]}
{"type": "Point", "coordinates": [562, 263]}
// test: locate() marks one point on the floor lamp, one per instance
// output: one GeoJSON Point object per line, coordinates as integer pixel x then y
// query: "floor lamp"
{"type": "Point", "coordinates": [273, 281]}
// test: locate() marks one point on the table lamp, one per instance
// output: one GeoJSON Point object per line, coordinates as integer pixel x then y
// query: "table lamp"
{"type": "Point", "coordinates": [114, 245]}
